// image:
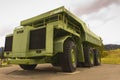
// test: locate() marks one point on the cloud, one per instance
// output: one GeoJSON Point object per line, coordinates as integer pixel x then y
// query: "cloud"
{"type": "Point", "coordinates": [94, 6]}
{"type": "Point", "coordinates": [12, 12]}
{"type": "Point", "coordinates": [105, 14]}
{"type": "Point", "coordinates": [105, 23]}
{"type": "Point", "coordinates": [99, 14]}
{"type": "Point", "coordinates": [110, 31]}
{"type": "Point", "coordinates": [2, 40]}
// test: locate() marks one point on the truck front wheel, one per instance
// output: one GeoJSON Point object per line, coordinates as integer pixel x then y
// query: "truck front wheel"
{"type": "Point", "coordinates": [28, 67]}
{"type": "Point", "coordinates": [68, 59]}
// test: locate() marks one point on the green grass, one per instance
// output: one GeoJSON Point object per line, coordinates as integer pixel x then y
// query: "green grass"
{"type": "Point", "coordinates": [111, 57]}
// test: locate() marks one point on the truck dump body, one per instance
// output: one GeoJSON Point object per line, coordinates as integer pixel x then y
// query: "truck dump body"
{"type": "Point", "coordinates": [87, 35]}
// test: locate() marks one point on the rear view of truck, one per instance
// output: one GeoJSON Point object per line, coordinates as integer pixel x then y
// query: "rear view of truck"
{"type": "Point", "coordinates": [57, 37]}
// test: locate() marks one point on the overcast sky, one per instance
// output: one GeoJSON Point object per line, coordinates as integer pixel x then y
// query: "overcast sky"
{"type": "Point", "coordinates": [102, 16]}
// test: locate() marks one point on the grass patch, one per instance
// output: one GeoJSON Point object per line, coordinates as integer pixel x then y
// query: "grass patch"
{"type": "Point", "coordinates": [110, 60]}
{"type": "Point", "coordinates": [111, 57]}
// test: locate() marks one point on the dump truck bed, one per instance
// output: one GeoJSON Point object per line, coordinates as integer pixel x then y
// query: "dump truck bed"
{"type": "Point", "coordinates": [88, 35]}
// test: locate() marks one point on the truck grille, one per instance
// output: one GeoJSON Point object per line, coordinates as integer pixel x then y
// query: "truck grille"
{"type": "Point", "coordinates": [37, 39]}
{"type": "Point", "coordinates": [8, 43]}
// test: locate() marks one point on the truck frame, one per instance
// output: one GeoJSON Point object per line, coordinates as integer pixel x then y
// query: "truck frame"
{"type": "Point", "coordinates": [57, 37]}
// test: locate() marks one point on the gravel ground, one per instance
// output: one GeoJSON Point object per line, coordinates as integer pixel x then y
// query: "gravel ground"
{"type": "Point", "coordinates": [48, 72]}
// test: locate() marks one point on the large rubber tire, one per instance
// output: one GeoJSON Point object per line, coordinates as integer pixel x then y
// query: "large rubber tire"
{"type": "Point", "coordinates": [55, 64]}
{"type": "Point", "coordinates": [28, 67]}
{"type": "Point", "coordinates": [56, 59]}
{"type": "Point", "coordinates": [68, 58]}
{"type": "Point", "coordinates": [97, 57]}
{"type": "Point", "coordinates": [88, 56]}
{"type": "Point", "coordinates": [79, 64]}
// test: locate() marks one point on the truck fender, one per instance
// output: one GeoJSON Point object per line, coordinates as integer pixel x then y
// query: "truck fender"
{"type": "Point", "coordinates": [58, 44]}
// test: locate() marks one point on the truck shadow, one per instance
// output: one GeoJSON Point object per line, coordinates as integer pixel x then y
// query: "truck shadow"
{"type": "Point", "coordinates": [48, 69]}
{"type": "Point", "coordinates": [42, 69]}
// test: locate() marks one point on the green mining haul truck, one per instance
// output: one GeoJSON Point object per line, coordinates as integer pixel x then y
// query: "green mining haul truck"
{"type": "Point", "coordinates": [57, 37]}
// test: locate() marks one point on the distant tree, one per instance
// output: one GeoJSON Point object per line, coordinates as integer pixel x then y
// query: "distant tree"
{"type": "Point", "coordinates": [111, 46]}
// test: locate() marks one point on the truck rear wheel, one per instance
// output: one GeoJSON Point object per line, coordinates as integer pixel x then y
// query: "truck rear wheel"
{"type": "Point", "coordinates": [68, 58]}
{"type": "Point", "coordinates": [28, 67]}
{"type": "Point", "coordinates": [89, 57]}
{"type": "Point", "coordinates": [97, 58]}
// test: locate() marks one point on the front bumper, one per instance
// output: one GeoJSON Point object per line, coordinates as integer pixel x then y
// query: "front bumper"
{"type": "Point", "coordinates": [29, 61]}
